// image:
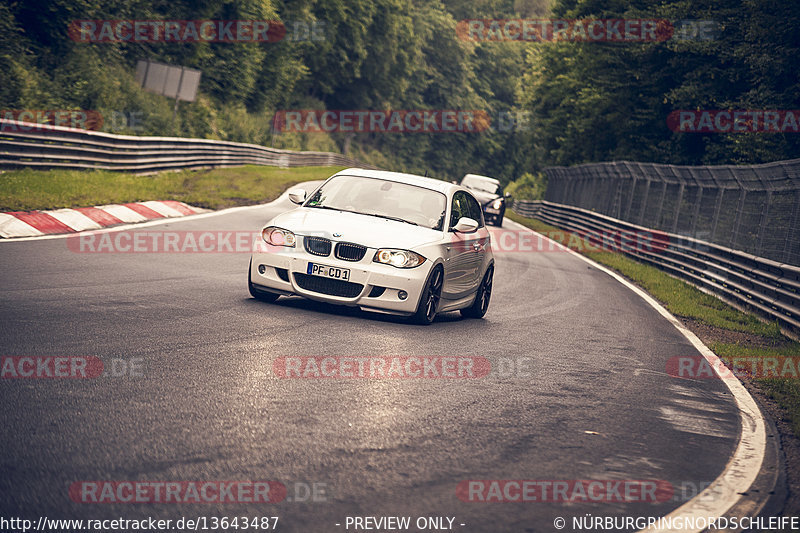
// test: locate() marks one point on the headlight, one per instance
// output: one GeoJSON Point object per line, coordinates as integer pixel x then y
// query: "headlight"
{"type": "Point", "coordinates": [497, 204]}
{"type": "Point", "coordinates": [398, 258]}
{"type": "Point", "coordinates": [278, 237]}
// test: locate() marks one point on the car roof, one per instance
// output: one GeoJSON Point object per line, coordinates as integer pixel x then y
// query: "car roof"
{"type": "Point", "coordinates": [400, 177]}
{"type": "Point", "coordinates": [486, 178]}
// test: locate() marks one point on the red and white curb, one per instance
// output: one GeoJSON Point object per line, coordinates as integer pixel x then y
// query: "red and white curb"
{"type": "Point", "coordinates": [35, 223]}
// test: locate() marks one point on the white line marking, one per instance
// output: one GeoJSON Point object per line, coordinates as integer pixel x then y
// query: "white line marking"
{"type": "Point", "coordinates": [743, 467]}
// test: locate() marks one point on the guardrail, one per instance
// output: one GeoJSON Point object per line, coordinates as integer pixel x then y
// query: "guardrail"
{"type": "Point", "coordinates": [768, 287]}
{"type": "Point", "coordinates": [44, 146]}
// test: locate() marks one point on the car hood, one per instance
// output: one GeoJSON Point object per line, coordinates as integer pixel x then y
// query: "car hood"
{"type": "Point", "coordinates": [483, 197]}
{"type": "Point", "coordinates": [370, 231]}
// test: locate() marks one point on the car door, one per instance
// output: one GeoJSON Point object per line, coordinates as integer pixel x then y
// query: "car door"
{"type": "Point", "coordinates": [462, 255]}
{"type": "Point", "coordinates": [480, 243]}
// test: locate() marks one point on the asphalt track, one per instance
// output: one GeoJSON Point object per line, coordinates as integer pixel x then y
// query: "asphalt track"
{"type": "Point", "coordinates": [596, 402]}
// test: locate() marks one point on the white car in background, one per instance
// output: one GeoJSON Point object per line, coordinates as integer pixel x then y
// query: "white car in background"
{"type": "Point", "coordinates": [381, 241]}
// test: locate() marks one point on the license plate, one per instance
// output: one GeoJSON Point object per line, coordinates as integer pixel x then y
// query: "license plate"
{"type": "Point", "coordinates": [315, 269]}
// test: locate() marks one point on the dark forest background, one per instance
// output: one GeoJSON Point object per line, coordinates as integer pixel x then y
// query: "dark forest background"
{"type": "Point", "coordinates": [577, 102]}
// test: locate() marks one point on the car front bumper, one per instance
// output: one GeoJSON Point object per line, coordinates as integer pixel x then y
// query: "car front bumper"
{"type": "Point", "coordinates": [492, 215]}
{"type": "Point", "coordinates": [372, 286]}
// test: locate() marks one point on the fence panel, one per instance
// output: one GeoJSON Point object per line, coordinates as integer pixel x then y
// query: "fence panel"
{"type": "Point", "coordinates": [751, 208]}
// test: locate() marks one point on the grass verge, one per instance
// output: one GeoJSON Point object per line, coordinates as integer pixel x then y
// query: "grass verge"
{"type": "Point", "coordinates": [730, 333]}
{"type": "Point", "coordinates": [27, 189]}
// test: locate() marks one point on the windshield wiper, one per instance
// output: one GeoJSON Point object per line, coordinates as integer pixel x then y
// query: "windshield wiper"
{"type": "Point", "coordinates": [320, 206]}
{"type": "Point", "coordinates": [388, 217]}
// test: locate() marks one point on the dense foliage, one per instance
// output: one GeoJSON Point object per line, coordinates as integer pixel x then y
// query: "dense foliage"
{"type": "Point", "coordinates": [609, 101]}
{"type": "Point", "coordinates": [574, 102]}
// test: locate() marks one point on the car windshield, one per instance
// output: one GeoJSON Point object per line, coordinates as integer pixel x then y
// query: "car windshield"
{"type": "Point", "coordinates": [481, 184]}
{"type": "Point", "coordinates": [382, 198]}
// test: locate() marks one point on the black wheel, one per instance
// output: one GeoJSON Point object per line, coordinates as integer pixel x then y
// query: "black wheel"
{"type": "Point", "coordinates": [482, 297]}
{"type": "Point", "coordinates": [264, 296]}
{"type": "Point", "coordinates": [429, 301]}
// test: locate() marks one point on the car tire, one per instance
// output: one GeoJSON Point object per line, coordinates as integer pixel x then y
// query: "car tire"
{"type": "Point", "coordinates": [430, 298]}
{"type": "Point", "coordinates": [264, 296]}
{"type": "Point", "coordinates": [482, 297]}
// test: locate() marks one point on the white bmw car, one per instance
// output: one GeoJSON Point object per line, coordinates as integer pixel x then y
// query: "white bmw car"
{"type": "Point", "coordinates": [382, 241]}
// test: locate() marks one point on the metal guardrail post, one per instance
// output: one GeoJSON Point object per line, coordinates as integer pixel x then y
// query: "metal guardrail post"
{"type": "Point", "coordinates": [678, 203]}
{"type": "Point", "coordinates": [630, 198]}
{"type": "Point", "coordinates": [644, 201]}
{"type": "Point", "coordinates": [696, 213]}
{"type": "Point", "coordinates": [735, 232]}
{"type": "Point", "coordinates": [697, 201]}
{"type": "Point", "coordinates": [609, 190]}
{"type": "Point", "coordinates": [766, 185]}
{"type": "Point", "coordinates": [617, 206]}
{"type": "Point", "coordinates": [657, 221]}
{"type": "Point", "coordinates": [762, 224]}
{"type": "Point", "coordinates": [717, 210]}
{"type": "Point", "coordinates": [793, 230]}
{"type": "Point", "coordinates": [572, 185]}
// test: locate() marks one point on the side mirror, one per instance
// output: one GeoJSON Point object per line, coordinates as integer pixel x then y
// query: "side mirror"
{"type": "Point", "coordinates": [297, 196]}
{"type": "Point", "coordinates": [466, 225]}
